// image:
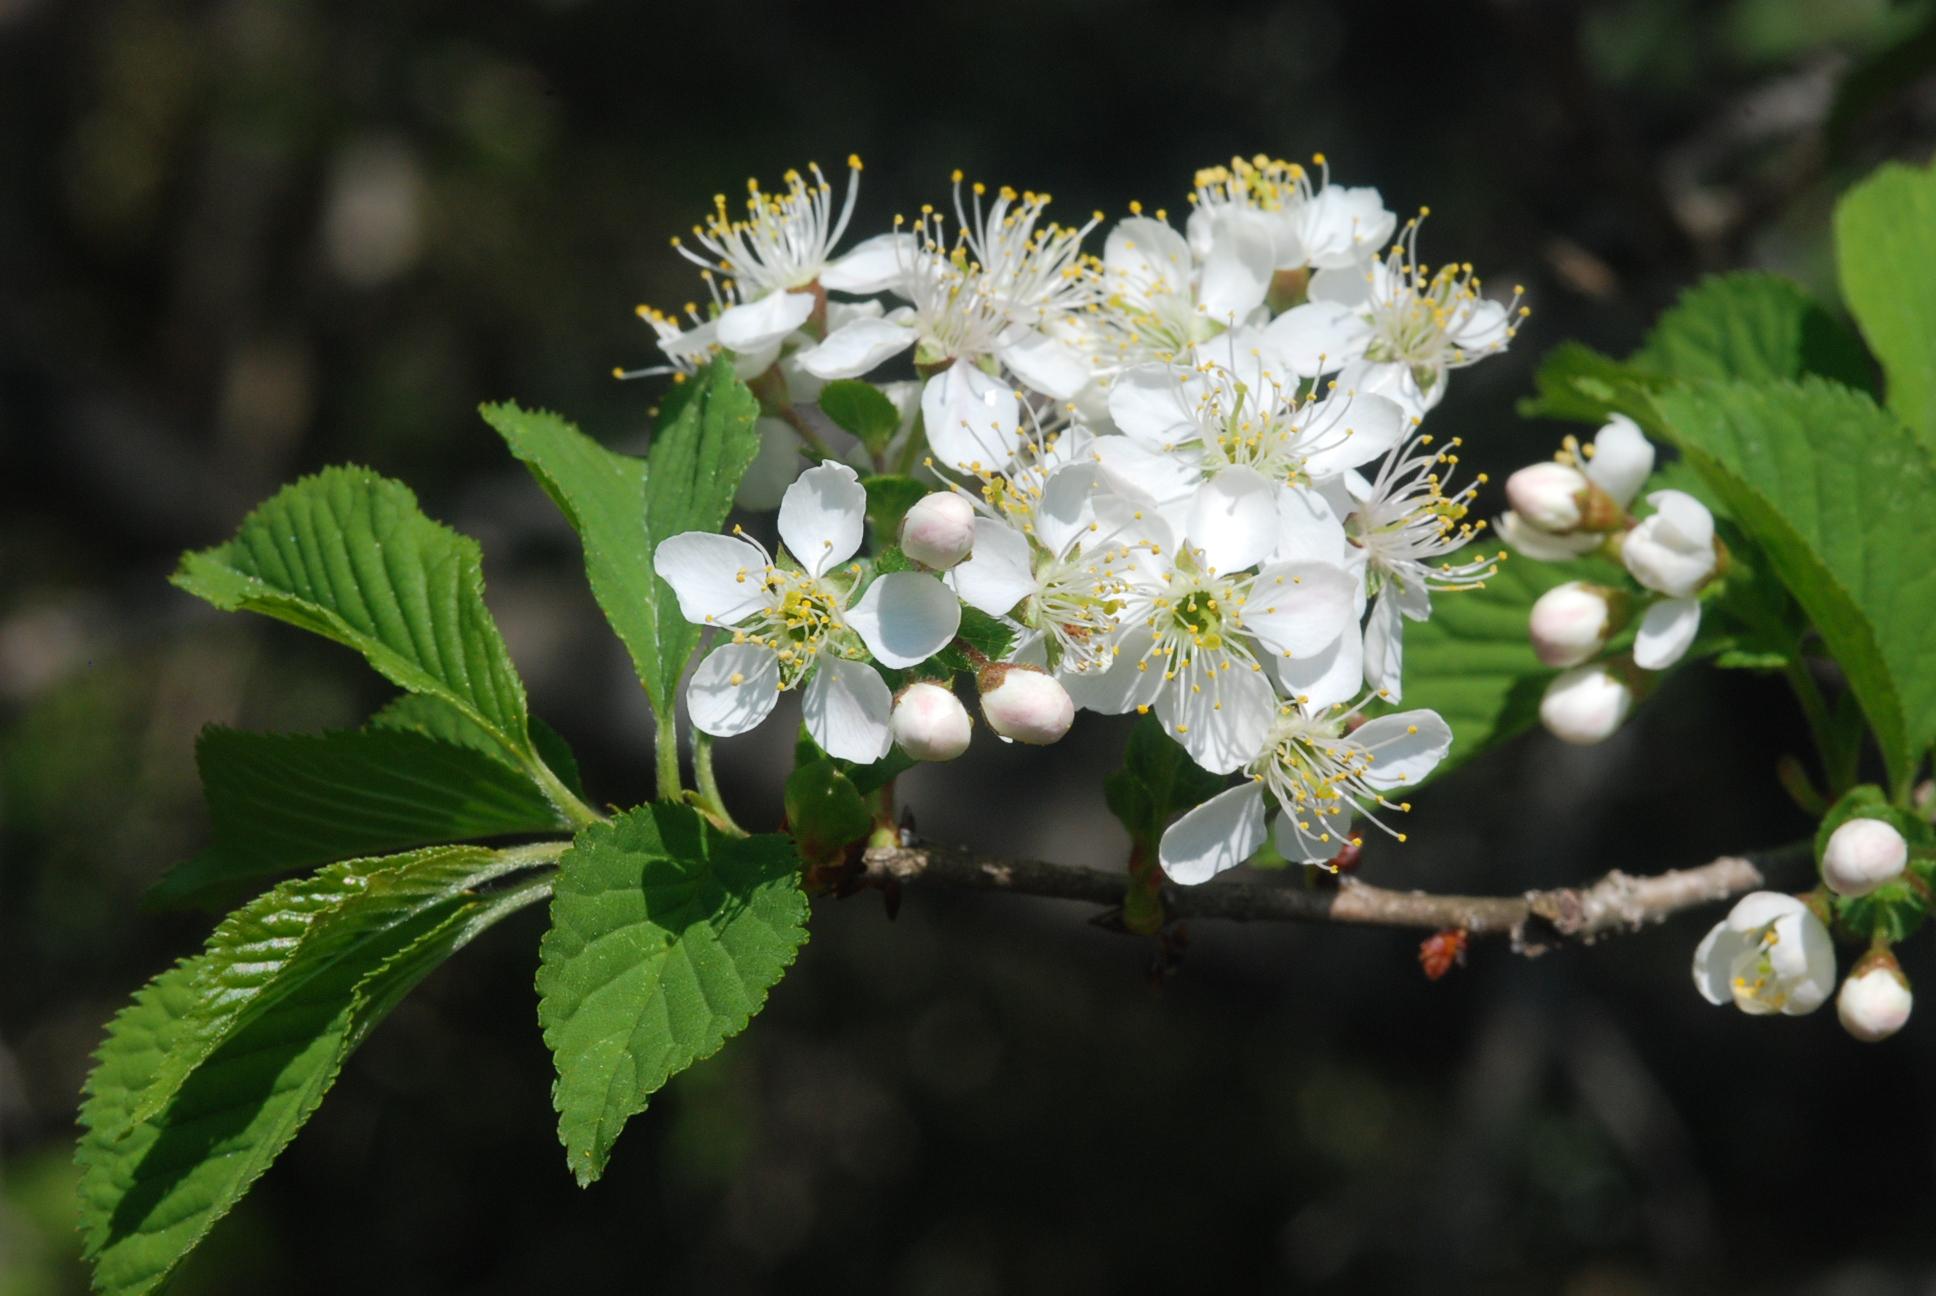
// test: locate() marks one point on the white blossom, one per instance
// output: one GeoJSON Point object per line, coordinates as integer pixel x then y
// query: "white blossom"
{"type": "Point", "coordinates": [1771, 954]}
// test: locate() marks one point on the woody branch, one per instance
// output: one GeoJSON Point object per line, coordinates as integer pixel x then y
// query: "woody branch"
{"type": "Point", "coordinates": [1535, 921]}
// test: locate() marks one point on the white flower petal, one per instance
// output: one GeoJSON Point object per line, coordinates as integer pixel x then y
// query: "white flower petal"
{"type": "Point", "coordinates": [1714, 963]}
{"type": "Point", "coordinates": [1342, 225]}
{"type": "Point", "coordinates": [1307, 837]}
{"type": "Point", "coordinates": [853, 349]}
{"type": "Point", "coordinates": [1666, 633]}
{"type": "Point", "coordinates": [1221, 717]}
{"type": "Point", "coordinates": [716, 577]}
{"type": "Point", "coordinates": [1317, 337]}
{"type": "Point", "coordinates": [1363, 427]}
{"type": "Point", "coordinates": [822, 516]}
{"type": "Point", "coordinates": [1128, 682]}
{"type": "Point", "coordinates": [1145, 260]}
{"type": "Point", "coordinates": [1155, 404]}
{"type": "Point", "coordinates": [1233, 519]}
{"type": "Point", "coordinates": [997, 574]}
{"type": "Point", "coordinates": [905, 618]}
{"type": "Point", "coordinates": [847, 707]}
{"type": "Point", "coordinates": [1237, 273]}
{"type": "Point", "coordinates": [973, 421]}
{"type": "Point", "coordinates": [754, 326]}
{"type": "Point", "coordinates": [1165, 479]}
{"type": "Point", "coordinates": [1331, 675]}
{"type": "Point", "coordinates": [1300, 608]}
{"type": "Point", "coordinates": [734, 689]}
{"type": "Point", "coordinates": [1349, 285]}
{"type": "Point", "coordinates": [1220, 834]}
{"type": "Point", "coordinates": [1404, 747]}
{"type": "Point", "coordinates": [1544, 546]}
{"type": "Point", "coordinates": [1067, 509]}
{"type": "Point", "coordinates": [1385, 648]}
{"type": "Point", "coordinates": [1622, 460]}
{"type": "Point", "coordinates": [1308, 528]}
{"type": "Point", "coordinates": [874, 265]}
{"type": "Point", "coordinates": [1044, 365]}
{"type": "Point", "coordinates": [1759, 909]}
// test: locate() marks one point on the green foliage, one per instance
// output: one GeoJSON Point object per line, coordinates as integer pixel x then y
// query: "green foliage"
{"type": "Point", "coordinates": [211, 1071]}
{"type": "Point", "coordinates": [888, 500]}
{"type": "Point", "coordinates": [824, 811]}
{"type": "Point", "coordinates": [1885, 249]}
{"type": "Point", "coordinates": [665, 938]}
{"type": "Point", "coordinates": [602, 495]}
{"type": "Point", "coordinates": [1753, 327]}
{"type": "Point", "coordinates": [279, 802]}
{"type": "Point", "coordinates": [861, 409]}
{"type": "Point", "coordinates": [1837, 495]}
{"type": "Point", "coordinates": [1157, 782]}
{"type": "Point", "coordinates": [348, 555]}
{"type": "Point", "coordinates": [1472, 662]}
{"type": "Point", "coordinates": [416, 713]}
{"type": "Point", "coordinates": [697, 461]}
{"type": "Point", "coordinates": [1578, 384]}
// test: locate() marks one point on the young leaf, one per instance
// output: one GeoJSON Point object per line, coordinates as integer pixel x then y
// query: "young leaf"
{"type": "Point", "coordinates": [151, 1190]}
{"type": "Point", "coordinates": [665, 938]}
{"type": "Point", "coordinates": [697, 462]}
{"type": "Point", "coordinates": [348, 555]}
{"type": "Point", "coordinates": [265, 951]}
{"type": "Point", "coordinates": [1157, 782]}
{"type": "Point", "coordinates": [824, 811]}
{"type": "Point", "coordinates": [888, 500]}
{"type": "Point", "coordinates": [1885, 254]}
{"type": "Point", "coordinates": [1751, 326]}
{"type": "Point", "coordinates": [418, 713]}
{"type": "Point", "coordinates": [861, 409]}
{"type": "Point", "coordinates": [1836, 493]}
{"type": "Point", "coordinates": [281, 802]}
{"type": "Point", "coordinates": [602, 495]}
{"type": "Point", "coordinates": [1578, 384]}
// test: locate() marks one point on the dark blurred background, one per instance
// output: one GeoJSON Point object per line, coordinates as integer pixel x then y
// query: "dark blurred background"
{"type": "Point", "coordinates": [242, 240]}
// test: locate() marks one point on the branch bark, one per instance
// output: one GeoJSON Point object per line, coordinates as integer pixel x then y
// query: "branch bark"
{"type": "Point", "coordinates": [1535, 921]}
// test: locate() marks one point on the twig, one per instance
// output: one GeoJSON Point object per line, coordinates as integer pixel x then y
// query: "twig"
{"type": "Point", "coordinates": [1535, 921]}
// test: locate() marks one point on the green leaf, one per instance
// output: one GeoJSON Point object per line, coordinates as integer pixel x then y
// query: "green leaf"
{"type": "Point", "coordinates": [861, 409]}
{"type": "Point", "coordinates": [435, 719]}
{"type": "Point", "coordinates": [1751, 326]}
{"type": "Point", "coordinates": [281, 802]}
{"type": "Point", "coordinates": [665, 938]}
{"type": "Point", "coordinates": [696, 465]}
{"type": "Point", "coordinates": [824, 811]}
{"type": "Point", "coordinates": [602, 494]}
{"type": "Point", "coordinates": [266, 950]}
{"type": "Point", "coordinates": [150, 1190]}
{"type": "Point", "coordinates": [1578, 384]}
{"type": "Point", "coordinates": [1885, 253]}
{"type": "Point", "coordinates": [348, 555]}
{"type": "Point", "coordinates": [888, 500]}
{"type": "Point", "coordinates": [1157, 782]}
{"type": "Point", "coordinates": [1472, 662]}
{"type": "Point", "coordinates": [1837, 494]}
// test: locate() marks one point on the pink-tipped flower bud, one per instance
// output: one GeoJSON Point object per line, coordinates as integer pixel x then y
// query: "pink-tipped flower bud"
{"type": "Point", "coordinates": [939, 531]}
{"type": "Point", "coordinates": [1025, 704]}
{"type": "Point", "coordinates": [1585, 705]}
{"type": "Point", "coordinates": [1571, 623]}
{"type": "Point", "coordinates": [1874, 1001]}
{"type": "Point", "coordinates": [930, 723]}
{"type": "Point", "coordinates": [1559, 499]}
{"type": "Point", "coordinates": [1861, 855]}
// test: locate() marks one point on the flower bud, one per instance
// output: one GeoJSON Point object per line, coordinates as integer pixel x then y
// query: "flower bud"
{"type": "Point", "coordinates": [1771, 954]}
{"type": "Point", "coordinates": [1585, 705]}
{"type": "Point", "coordinates": [1622, 460]}
{"type": "Point", "coordinates": [1672, 551]}
{"type": "Point", "coordinates": [1861, 855]}
{"type": "Point", "coordinates": [1025, 704]}
{"type": "Point", "coordinates": [930, 723]}
{"type": "Point", "coordinates": [939, 530]}
{"type": "Point", "coordinates": [1874, 1000]}
{"type": "Point", "coordinates": [1547, 495]}
{"type": "Point", "coordinates": [1571, 623]}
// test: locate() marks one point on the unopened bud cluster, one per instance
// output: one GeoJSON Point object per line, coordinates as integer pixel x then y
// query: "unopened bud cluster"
{"type": "Point", "coordinates": [1579, 504]}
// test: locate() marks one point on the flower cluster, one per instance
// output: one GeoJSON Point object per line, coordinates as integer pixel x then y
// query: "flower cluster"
{"type": "Point", "coordinates": [1187, 472]}
{"type": "Point", "coordinates": [1576, 504]}
{"type": "Point", "coordinates": [1773, 953]}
